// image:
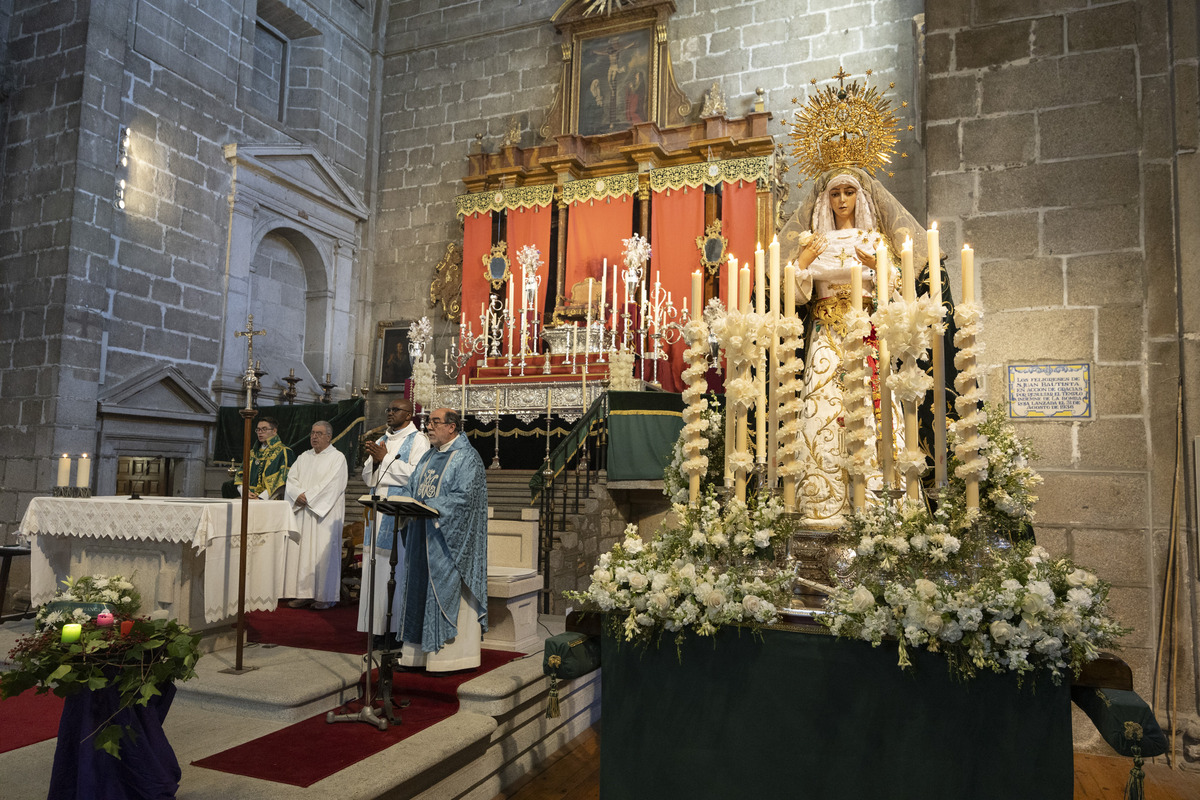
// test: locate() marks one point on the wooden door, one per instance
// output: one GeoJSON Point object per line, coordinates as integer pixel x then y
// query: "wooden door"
{"type": "Point", "coordinates": [148, 476]}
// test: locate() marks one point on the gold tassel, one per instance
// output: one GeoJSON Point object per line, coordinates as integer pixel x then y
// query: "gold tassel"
{"type": "Point", "coordinates": [1135, 788]}
{"type": "Point", "coordinates": [552, 710]}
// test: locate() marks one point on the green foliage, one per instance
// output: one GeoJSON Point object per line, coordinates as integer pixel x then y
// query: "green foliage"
{"type": "Point", "coordinates": [154, 652]}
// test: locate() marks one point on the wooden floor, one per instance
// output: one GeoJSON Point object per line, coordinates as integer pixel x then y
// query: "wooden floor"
{"type": "Point", "coordinates": [573, 773]}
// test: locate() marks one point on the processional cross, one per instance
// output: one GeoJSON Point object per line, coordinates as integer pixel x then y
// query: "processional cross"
{"type": "Point", "coordinates": [249, 380]}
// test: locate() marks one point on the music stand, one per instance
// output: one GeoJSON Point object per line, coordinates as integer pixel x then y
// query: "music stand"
{"type": "Point", "coordinates": [402, 509]}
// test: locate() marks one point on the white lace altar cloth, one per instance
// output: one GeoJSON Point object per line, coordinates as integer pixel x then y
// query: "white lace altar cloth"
{"type": "Point", "coordinates": [210, 527]}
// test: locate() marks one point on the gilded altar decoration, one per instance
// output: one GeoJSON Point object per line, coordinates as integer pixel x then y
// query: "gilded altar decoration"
{"type": "Point", "coordinates": [446, 288]}
{"type": "Point", "coordinates": [714, 101]}
{"type": "Point", "coordinates": [609, 186]}
{"type": "Point", "coordinates": [496, 266]}
{"type": "Point", "coordinates": [512, 199]}
{"type": "Point", "coordinates": [844, 125]}
{"type": "Point", "coordinates": [712, 246]}
{"type": "Point", "coordinates": [710, 173]}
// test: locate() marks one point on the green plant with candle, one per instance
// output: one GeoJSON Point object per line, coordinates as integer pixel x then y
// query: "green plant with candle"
{"type": "Point", "coordinates": [134, 656]}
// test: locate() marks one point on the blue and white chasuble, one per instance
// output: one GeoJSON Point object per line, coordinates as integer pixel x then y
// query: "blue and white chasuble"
{"type": "Point", "coordinates": [448, 553]}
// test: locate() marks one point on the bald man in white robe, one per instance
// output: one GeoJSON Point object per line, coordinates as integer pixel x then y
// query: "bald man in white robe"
{"type": "Point", "coordinates": [316, 488]}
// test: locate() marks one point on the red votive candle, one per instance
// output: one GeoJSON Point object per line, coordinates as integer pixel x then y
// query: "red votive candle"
{"type": "Point", "coordinates": [126, 626]}
{"type": "Point", "coordinates": [104, 619]}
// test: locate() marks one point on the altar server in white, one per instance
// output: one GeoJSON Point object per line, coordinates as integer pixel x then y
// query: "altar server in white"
{"type": "Point", "coordinates": [316, 488]}
{"type": "Point", "coordinates": [390, 462]}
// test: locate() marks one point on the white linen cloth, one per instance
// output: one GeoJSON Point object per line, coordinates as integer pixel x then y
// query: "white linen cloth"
{"type": "Point", "coordinates": [211, 527]}
{"type": "Point", "coordinates": [314, 564]}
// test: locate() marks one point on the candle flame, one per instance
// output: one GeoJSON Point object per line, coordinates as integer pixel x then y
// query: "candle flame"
{"type": "Point", "coordinates": [934, 225]}
{"type": "Point", "coordinates": [908, 243]}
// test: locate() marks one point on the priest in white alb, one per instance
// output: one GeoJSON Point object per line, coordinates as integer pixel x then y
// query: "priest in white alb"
{"type": "Point", "coordinates": [316, 488]}
{"type": "Point", "coordinates": [390, 462]}
{"type": "Point", "coordinates": [445, 592]}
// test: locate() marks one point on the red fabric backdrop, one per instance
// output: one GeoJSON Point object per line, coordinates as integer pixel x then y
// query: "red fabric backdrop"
{"type": "Point", "coordinates": [739, 223]}
{"type": "Point", "coordinates": [676, 219]}
{"type": "Point", "coordinates": [595, 230]}
{"type": "Point", "coordinates": [477, 241]}
{"type": "Point", "coordinates": [530, 226]}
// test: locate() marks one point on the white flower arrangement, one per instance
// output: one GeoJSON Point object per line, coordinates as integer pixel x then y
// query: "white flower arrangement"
{"type": "Point", "coordinates": [529, 258]}
{"type": "Point", "coordinates": [419, 335]}
{"type": "Point", "coordinates": [115, 591]}
{"type": "Point", "coordinates": [700, 576]}
{"type": "Point", "coordinates": [620, 372]}
{"type": "Point", "coordinates": [1008, 486]}
{"type": "Point", "coordinates": [637, 251]}
{"type": "Point", "coordinates": [424, 382]}
{"type": "Point", "coordinates": [675, 480]}
{"type": "Point", "coordinates": [990, 606]}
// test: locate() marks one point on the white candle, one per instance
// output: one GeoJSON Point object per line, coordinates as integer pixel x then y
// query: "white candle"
{"type": "Point", "coordinates": [587, 329]}
{"type": "Point", "coordinates": [744, 291]}
{"type": "Point", "coordinates": [968, 274]}
{"type": "Point", "coordinates": [935, 256]}
{"type": "Point", "coordinates": [789, 290]}
{"type": "Point", "coordinates": [510, 295]}
{"type": "Point", "coordinates": [731, 302]}
{"type": "Point", "coordinates": [616, 319]}
{"type": "Point", "coordinates": [760, 281]}
{"type": "Point", "coordinates": [697, 292]}
{"type": "Point", "coordinates": [83, 476]}
{"type": "Point", "coordinates": [883, 274]}
{"type": "Point", "coordinates": [773, 248]}
{"type": "Point", "coordinates": [603, 298]}
{"type": "Point", "coordinates": [64, 471]}
{"type": "Point", "coordinates": [856, 298]}
{"type": "Point", "coordinates": [908, 279]}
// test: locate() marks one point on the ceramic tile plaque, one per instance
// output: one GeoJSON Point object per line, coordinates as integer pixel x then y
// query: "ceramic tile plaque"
{"type": "Point", "coordinates": [1050, 391]}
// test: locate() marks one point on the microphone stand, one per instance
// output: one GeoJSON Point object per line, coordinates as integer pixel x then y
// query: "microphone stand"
{"type": "Point", "coordinates": [368, 713]}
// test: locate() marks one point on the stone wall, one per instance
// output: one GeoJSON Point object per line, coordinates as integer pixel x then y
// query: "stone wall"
{"type": "Point", "coordinates": [92, 294]}
{"type": "Point", "coordinates": [1053, 130]}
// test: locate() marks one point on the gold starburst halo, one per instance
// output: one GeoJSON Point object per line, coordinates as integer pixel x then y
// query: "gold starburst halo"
{"type": "Point", "coordinates": [843, 126]}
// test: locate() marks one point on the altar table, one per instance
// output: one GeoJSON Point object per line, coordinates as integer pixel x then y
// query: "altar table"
{"type": "Point", "coordinates": [181, 554]}
{"type": "Point", "coordinates": [804, 715]}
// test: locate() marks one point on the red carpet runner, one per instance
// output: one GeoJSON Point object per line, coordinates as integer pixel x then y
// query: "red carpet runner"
{"type": "Point", "coordinates": [309, 751]}
{"type": "Point", "coordinates": [333, 630]}
{"type": "Point", "coordinates": [28, 718]}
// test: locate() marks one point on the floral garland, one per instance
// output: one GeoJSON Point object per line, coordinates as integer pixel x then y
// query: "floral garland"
{"type": "Point", "coordinates": [675, 481]}
{"type": "Point", "coordinates": [969, 443]}
{"type": "Point", "coordinates": [695, 333]}
{"type": "Point", "coordinates": [419, 334]}
{"type": "Point", "coordinates": [855, 409]}
{"type": "Point", "coordinates": [735, 333]}
{"type": "Point", "coordinates": [424, 382]}
{"type": "Point", "coordinates": [791, 330]}
{"type": "Point", "coordinates": [701, 575]}
{"type": "Point", "coordinates": [989, 605]}
{"type": "Point", "coordinates": [908, 329]}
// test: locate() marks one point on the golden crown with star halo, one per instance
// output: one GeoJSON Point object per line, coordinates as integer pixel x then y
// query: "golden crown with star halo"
{"type": "Point", "coordinates": [844, 126]}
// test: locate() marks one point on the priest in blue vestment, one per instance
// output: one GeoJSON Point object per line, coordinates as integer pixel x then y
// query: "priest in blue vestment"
{"type": "Point", "coordinates": [445, 592]}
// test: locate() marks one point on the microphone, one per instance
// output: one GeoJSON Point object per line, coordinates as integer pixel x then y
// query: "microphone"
{"type": "Point", "coordinates": [381, 470]}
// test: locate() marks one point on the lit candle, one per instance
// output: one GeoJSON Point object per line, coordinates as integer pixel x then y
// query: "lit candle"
{"type": "Point", "coordinates": [126, 626]}
{"type": "Point", "coordinates": [71, 632]}
{"type": "Point", "coordinates": [511, 283]}
{"type": "Point", "coordinates": [616, 321]}
{"type": "Point", "coordinates": [744, 291]}
{"type": "Point", "coordinates": [731, 303]}
{"type": "Point", "coordinates": [938, 357]}
{"type": "Point", "coordinates": [83, 475]}
{"type": "Point", "coordinates": [760, 280]}
{"type": "Point", "coordinates": [968, 274]}
{"type": "Point", "coordinates": [587, 325]}
{"type": "Point", "coordinates": [64, 471]}
{"type": "Point", "coordinates": [789, 311]}
{"type": "Point", "coordinates": [697, 292]}
{"type": "Point", "coordinates": [908, 279]}
{"type": "Point", "coordinates": [105, 619]}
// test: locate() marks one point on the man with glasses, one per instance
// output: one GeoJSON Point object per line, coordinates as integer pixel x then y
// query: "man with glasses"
{"type": "Point", "coordinates": [389, 465]}
{"type": "Point", "coordinates": [445, 592]}
{"type": "Point", "coordinates": [316, 488]}
{"type": "Point", "coordinates": [269, 462]}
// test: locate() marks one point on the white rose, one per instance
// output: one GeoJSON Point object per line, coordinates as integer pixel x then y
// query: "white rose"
{"type": "Point", "coordinates": [932, 622]}
{"type": "Point", "coordinates": [1001, 631]}
{"type": "Point", "coordinates": [634, 545]}
{"type": "Point", "coordinates": [1077, 577]}
{"type": "Point", "coordinates": [1033, 604]}
{"type": "Point", "coordinates": [861, 600]}
{"type": "Point", "coordinates": [638, 581]}
{"type": "Point", "coordinates": [926, 589]}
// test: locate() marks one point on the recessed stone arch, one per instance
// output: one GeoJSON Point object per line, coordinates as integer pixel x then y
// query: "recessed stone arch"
{"type": "Point", "coordinates": [289, 211]}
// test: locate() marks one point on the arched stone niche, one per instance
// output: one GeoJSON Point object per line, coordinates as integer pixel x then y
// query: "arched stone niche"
{"type": "Point", "coordinates": [287, 204]}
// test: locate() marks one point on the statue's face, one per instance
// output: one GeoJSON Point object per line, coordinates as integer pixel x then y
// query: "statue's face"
{"type": "Point", "coordinates": [842, 200]}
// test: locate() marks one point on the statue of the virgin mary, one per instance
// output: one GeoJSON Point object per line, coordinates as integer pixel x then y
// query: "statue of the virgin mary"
{"type": "Point", "coordinates": [844, 218]}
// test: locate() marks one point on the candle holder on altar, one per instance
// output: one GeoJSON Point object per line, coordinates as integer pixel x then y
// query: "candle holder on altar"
{"type": "Point", "coordinates": [289, 394]}
{"type": "Point", "coordinates": [259, 372]}
{"type": "Point", "coordinates": [327, 388]}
